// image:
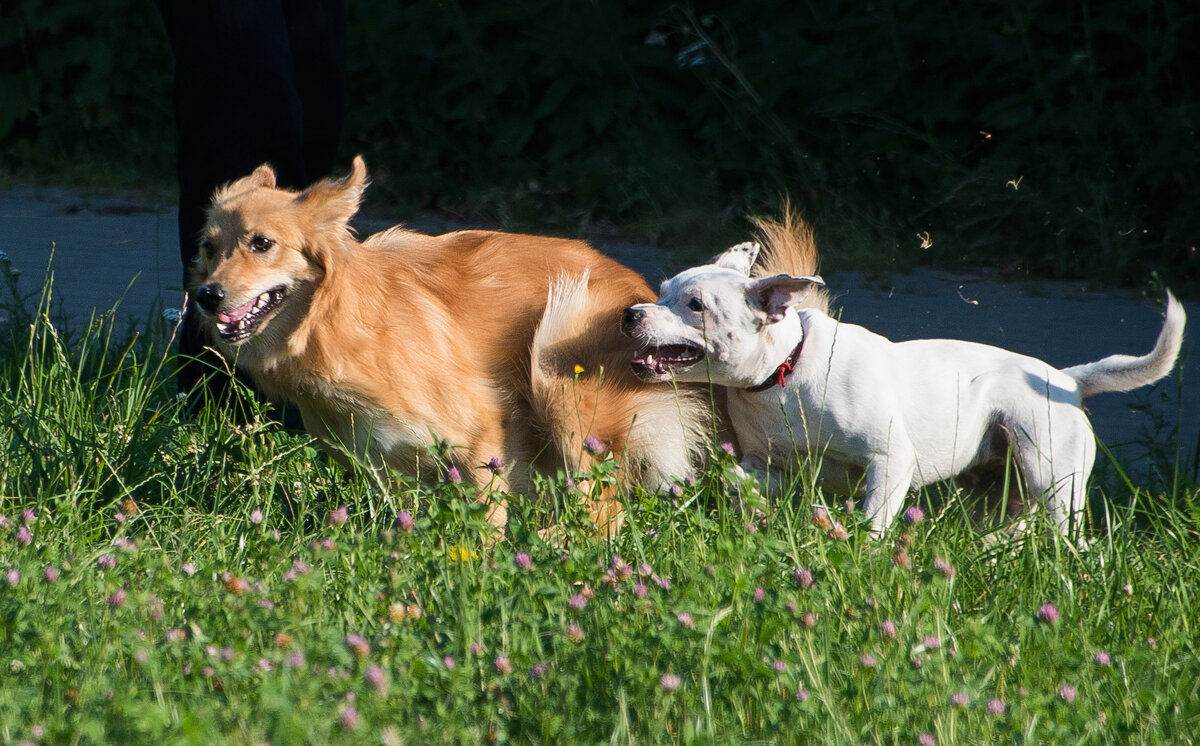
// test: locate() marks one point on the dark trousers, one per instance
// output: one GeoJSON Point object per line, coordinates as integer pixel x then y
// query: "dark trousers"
{"type": "Point", "coordinates": [256, 81]}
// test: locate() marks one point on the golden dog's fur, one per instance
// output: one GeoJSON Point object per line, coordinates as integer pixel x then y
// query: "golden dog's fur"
{"type": "Point", "coordinates": [789, 248]}
{"type": "Point", "coordinates": [501, 345]}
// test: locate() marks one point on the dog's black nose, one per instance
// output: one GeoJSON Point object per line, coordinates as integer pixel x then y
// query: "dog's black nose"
{"type": "Point", "coordinates": [209, 297]}
{"type": "Point", "coordinates": [632, 317]}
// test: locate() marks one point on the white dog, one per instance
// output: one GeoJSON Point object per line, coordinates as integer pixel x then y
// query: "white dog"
{"type": "Point", "coordinates": [890, 417]}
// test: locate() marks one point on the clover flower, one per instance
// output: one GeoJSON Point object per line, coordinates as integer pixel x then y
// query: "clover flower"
{"type": "Point", "coordinates": [575, 632]}
{"type": "Point", "coordinates": [339, 516]}
{"type": "Point", "coordinates": [377, 679]}
{"type": "Point", "coordinates": [944, 567]}
{"type": "Point", "coordinates": [358, 645]}
{"type": "Point", "coordinates": [593, 445]}
{"type": "Point", "coordinates": [821, 519]}
{"type": "Point", "coordinates": [404, 521]}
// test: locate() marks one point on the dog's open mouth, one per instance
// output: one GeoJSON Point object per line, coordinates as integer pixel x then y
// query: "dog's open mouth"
{"type": "Point", "coordinates": [242, 322]}
{"type": "Point", "coordinates": [655, 362]}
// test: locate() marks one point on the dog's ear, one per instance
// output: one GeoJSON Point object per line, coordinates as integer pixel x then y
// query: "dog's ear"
{"type": "Point", "coordinates": [262, 178]}
{"type": "Point", "coordinates": [775, 295]}
{"type": "Point", "coordinates": [332, 202]}
{"type": "Point", "coordinates": [739, 258]}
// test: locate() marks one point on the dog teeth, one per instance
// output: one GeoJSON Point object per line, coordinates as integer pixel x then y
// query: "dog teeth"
{"type": "Point", "coordinates": [241, 327]}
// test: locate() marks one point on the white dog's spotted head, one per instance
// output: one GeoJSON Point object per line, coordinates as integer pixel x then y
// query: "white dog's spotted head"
{"type": "Point", "coordinates": [714, 323]}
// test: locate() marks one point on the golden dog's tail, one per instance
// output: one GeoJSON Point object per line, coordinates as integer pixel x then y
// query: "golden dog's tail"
{"type": "Point", "coordinates": [789, 248]}
{"type": "Point", "coordinates": [1126, 372]}
{"type": "Point", "coordinates": [585, 394]}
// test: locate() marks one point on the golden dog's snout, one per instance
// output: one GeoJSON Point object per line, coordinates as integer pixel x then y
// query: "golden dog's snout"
{"type": "Point", "coordinates": [210, 296]}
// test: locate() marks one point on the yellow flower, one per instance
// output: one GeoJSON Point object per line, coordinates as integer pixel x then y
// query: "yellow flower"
{"type": "Point", "coordinates": [578, 369]}
{"type": "Point", "coordinates": [462, 554]}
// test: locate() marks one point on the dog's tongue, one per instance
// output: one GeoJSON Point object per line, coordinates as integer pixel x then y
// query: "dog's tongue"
{"type": "Point", "coordinates": [230, 317]}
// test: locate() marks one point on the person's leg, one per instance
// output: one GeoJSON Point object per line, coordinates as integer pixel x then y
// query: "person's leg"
{"type": "Point", "coordinates": [317, 32]}
{"type": "Point", "coordinates": [236, 107]}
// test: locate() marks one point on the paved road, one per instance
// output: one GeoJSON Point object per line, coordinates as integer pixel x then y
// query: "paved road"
{"type": "Point", "coordinates": [109, 249]}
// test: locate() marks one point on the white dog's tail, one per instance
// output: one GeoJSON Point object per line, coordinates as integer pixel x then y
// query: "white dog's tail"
{"type": "Point", "coordinates": [1126, 372]}
{"type": "Point", "coordinates": [583, 385]}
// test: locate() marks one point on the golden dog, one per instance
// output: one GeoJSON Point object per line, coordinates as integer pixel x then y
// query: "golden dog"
{"type": "Point", "coordinates": [506, 347]}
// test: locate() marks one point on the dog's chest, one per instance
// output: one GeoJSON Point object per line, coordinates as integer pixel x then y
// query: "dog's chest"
{"type": "Point", "coordinates": [369, 433]}
{"type": "Point", "coordinates": [785, 420]}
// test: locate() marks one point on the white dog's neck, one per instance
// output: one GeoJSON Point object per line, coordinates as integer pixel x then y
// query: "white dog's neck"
{"type": "Point", "coordinates": [782, 344]}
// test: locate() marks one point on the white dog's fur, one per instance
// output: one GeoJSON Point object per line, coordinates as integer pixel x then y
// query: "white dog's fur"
{"type": "Point", "coordinates": [884, 416]}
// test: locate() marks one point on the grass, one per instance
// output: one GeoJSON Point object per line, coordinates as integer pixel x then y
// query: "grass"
{"type": "Point", "coordinates": [173, 577]}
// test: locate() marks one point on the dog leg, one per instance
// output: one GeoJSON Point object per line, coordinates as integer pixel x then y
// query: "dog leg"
{"type": "Point", "coordinates": [754, 478]}
{"type": "Point", "coordinates": [1058, 472]}
{"type": "Point", "coordinates": [751, 468]}
{"type": "Point", "coordinates": [889, 478]}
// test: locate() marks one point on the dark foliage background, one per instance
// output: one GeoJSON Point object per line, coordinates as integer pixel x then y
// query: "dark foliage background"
{"type": "Point", "coordinates": [1047, 138]}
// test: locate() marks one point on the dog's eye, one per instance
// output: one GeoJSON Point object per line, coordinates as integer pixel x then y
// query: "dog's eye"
{"type": "Point", "coordinates": [696, 305]}
{"type": "Point", "coordinates": [206, 247]}
{"type": "Point", "coordinates": [261, 243]}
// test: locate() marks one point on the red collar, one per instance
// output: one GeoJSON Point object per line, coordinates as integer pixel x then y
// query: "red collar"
{"type": "Point", "coordinates": [779, 377]}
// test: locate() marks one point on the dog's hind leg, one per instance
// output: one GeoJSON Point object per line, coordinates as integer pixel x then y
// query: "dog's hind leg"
{"type": "Point", "coordinates": [1056, 467]}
